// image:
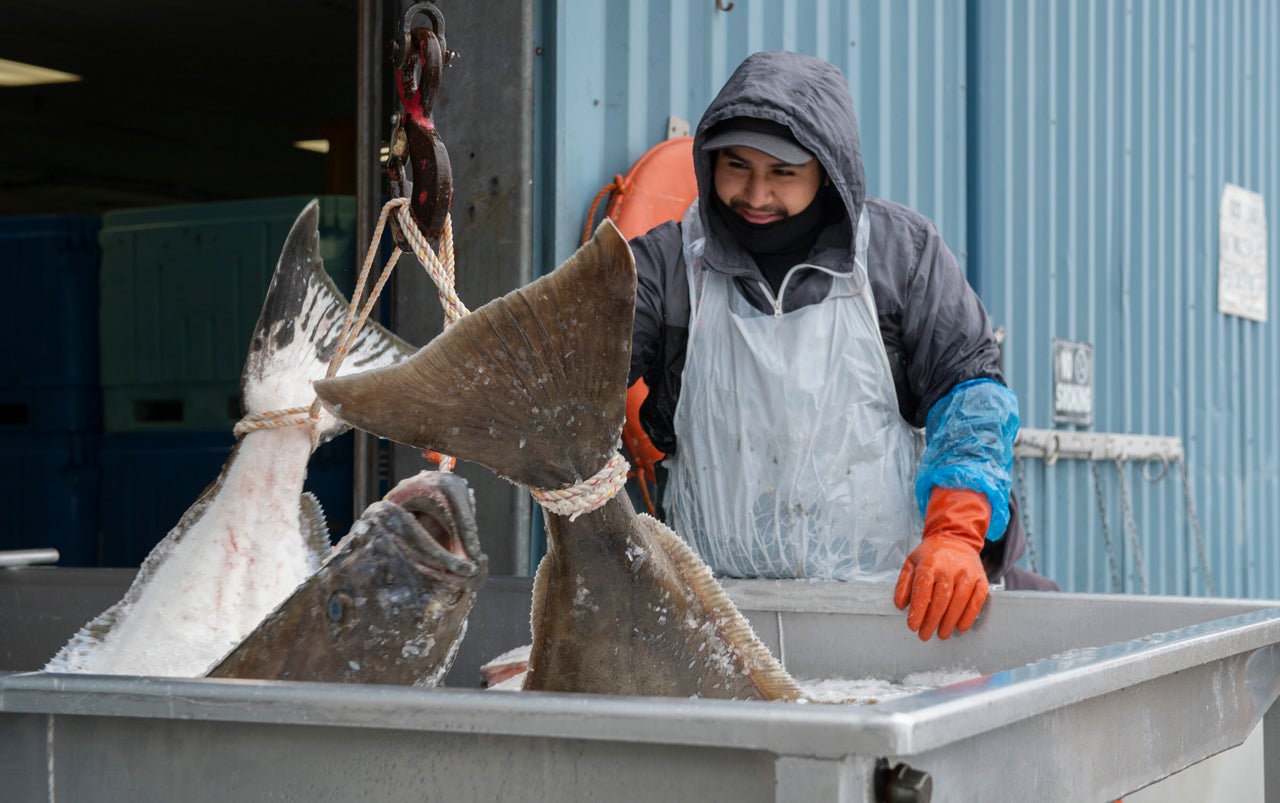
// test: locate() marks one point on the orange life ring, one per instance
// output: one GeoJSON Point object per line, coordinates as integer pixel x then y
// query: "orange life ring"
{"type": "Point", "coordinates": [659, 187]}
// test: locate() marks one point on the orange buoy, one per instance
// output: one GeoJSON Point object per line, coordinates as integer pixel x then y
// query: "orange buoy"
{"type": "Point", "coordinates": [659, 187]}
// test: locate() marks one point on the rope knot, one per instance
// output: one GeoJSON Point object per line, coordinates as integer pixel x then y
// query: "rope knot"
{"type": "Point", "coordinates": [439, 267]}
{"type": "Point", "coordinates": [587, 495]}
{"type": "Point", "coordinates": [273, 419]}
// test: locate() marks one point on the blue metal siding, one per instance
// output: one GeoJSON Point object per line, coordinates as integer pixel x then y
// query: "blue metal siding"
{"type": "Point", "coordinates": [622, 68]}
{"type": "Point", "coordinates": [1102, 134]}
{"type": "Point", "coordinates": [1073, 155]}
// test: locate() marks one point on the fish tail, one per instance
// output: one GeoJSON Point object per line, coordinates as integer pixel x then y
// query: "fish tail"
{"type": "Point", "coordinates": [299, 329]}
{"type": "Point", "coordinates": [531, 385]}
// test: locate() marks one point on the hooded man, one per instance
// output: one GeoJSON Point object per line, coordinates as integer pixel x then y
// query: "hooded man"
{"type": "Point", "coordinates": [795, 336]}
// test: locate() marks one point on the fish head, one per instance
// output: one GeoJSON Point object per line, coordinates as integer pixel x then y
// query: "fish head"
{"type": "Point", "coordinates": [390, 603]}
{"type": "Point", "coordinates": [418, 544]}
{"type": "Point", "coordinates": [443, 508]}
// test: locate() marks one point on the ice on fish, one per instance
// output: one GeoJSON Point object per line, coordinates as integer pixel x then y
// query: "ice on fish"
{"type": "Point", "coordinates": [868, 691]}
{"type": "Point", "coordinates": [253, 535]}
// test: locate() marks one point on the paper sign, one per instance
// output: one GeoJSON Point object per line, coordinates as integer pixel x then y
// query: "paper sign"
{"type": "Point", "coordinates": [1242, 254]}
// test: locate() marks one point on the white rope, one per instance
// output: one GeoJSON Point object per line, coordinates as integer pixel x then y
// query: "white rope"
{"type": "Point", "coordinates": [441, 270]}
{"type": "Point", "coordinates": [272, 419]}
{"type": "Point", "coordinates": [588, 495]}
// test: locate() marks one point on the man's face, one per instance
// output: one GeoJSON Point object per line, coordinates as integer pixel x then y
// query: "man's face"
{"type": "Point", "coordinates": [762, 189]}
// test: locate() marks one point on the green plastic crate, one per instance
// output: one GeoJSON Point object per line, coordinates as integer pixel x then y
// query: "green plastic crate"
{"type": "Point", "coordinates": [182, 287]}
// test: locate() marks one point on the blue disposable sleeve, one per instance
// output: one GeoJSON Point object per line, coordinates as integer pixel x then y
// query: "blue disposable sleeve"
{"type": "Point", "coordinates": [969, 438]}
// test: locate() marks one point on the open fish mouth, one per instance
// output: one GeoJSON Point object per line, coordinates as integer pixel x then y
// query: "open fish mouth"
{"type": "Point", "coordinates": [431, 513]}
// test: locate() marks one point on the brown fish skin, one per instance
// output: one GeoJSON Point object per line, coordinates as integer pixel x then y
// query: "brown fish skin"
{"type": "Point", "coordinates": [623, 606]}
{"type": "Point", "coordinates": [390, 604]}
{"type": "Point", "coordinates": [533, 386]}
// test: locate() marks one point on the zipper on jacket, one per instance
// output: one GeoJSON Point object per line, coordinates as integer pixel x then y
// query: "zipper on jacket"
{"type": "Point", "coordinates": [782, 288]}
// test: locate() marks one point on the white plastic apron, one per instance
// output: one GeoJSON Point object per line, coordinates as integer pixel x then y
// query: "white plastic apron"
{"type": "Point", "coordinates": [792, 457]}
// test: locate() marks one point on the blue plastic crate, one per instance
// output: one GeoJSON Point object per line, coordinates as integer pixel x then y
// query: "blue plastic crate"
{"type": "Point", "coordinates": [148, 481]}
{"type": "Point", "coordinates": [51, 409]}
{"type": "Point", "coordinates": [331, 477]}
{"type": "Point", "coordinates": [49, 486]}
{"type": "Point", "coordinates": [182, 287]}
{"type": "Point", "coordinates": [151, 478]}
{"type": "Point", "coordinates": [49, 266]}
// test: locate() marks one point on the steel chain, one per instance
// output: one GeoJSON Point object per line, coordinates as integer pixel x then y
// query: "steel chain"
{"type": "Point", "coordinates": [1131, 525]}
{"type": "Point", "coordinates": [1195, 527]}
{"type": "Point", "coordinates": [1117, 584]}
{"type": "Point", "coordinates": [1026, 517]}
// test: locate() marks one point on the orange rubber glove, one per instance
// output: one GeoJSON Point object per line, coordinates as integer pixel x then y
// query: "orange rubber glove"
{"type": "Point", "coordinates": [943, 578]}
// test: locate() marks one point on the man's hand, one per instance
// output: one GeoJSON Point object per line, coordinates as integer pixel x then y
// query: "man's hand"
{"type": "Point", "coordinates": [943, 578]}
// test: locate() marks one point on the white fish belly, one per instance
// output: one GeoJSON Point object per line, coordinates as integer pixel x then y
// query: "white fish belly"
{"type": "Point", "coordinates": [221, 576]}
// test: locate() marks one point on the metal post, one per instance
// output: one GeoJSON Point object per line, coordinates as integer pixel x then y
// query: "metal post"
{"type": "Point", "coordinates": [490, 80]}
{"type": "Point", "coordinates": [1271, 753]}
{"type": "Point", "coordinates": [369, 122]}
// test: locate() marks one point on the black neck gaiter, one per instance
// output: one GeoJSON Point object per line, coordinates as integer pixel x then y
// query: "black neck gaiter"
{"type": "Point", "coordinates": [777, 247]}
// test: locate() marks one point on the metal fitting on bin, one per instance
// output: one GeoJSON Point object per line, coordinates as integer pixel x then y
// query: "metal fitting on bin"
{"type": "Point", "coordinates": [902, 784]}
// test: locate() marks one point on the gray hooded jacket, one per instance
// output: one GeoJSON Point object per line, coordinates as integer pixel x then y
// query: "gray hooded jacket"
{"type": "Point", "coordinates": [934, 327]}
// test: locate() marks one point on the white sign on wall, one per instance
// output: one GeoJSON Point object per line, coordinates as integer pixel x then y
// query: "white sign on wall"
{"type": "Point", "coordinates": [1242, 254]}
{"type": "Point", "coordinates": [1072, 383]}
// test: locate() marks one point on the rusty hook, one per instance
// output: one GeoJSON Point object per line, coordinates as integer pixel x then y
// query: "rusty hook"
{"type": "Point", "coordinates": [418, 164]}
{"type": "Point", "coordinates": [405, 46]}
{"type": "Point", "coordinates": [721, 5]}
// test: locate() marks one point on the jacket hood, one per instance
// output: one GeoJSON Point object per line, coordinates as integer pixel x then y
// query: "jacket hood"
{"type": "Point", "coordinates": [810, 97]}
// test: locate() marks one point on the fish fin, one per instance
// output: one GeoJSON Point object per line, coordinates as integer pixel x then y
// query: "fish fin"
{"type": "Point", "coordinates": [537, 609]}
{"type": "Point", "coordinates": [299, 328]}
{"type": "Point", "coordinates": [80, 652]}
{"type": "Point", "coordinates": [532, 385]}
{"type": "Point", "coordinates": [767, 674]}
{"type": "Point", "coordinates": [315, 529]}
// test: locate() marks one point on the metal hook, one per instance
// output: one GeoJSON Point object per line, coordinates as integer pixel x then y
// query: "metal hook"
{"type": "Point", "coordinates": [721, 5]}
{"type": "Point", "coordinates": [1051, 454]}
{"type": "Point", "coordinates": [406, 30]}
{"type": "Point", "coordinates": [418, 163]}
{"type": "Point", "coordinates": [1164, 469]}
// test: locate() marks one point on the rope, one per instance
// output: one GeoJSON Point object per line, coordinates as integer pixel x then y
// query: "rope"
{"type": "Point", "coordinates": [274, 418]}
{"type": "Point", "coordinates": [441, 270]}
{"type": "Point", "coordinates": [585, 496]}
{"type": "Point", "coordinates": [619, 185]}
{"type": "Point", "coordinates": [641, 476]}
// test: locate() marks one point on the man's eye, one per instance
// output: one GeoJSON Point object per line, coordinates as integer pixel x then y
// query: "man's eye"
{"type": "Point", "coordinates": [784, 173]}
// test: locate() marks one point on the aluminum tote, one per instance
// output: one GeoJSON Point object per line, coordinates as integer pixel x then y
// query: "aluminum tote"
{"type": "Point", "coordinates": [1081, 697]}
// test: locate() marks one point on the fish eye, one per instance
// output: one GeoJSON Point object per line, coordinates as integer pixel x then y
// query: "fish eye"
{"type": "Point", "coordinates": [337, 606]}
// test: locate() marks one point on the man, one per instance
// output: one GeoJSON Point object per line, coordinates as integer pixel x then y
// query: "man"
{"type": "Point", "coordinates": [795, 335]}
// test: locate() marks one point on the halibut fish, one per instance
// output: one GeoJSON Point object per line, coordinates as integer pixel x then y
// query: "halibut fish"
{"type": "Point", "coordinates": [253, 535]}
{"type": "Point", "coordinates": [389, 605]}
{"type": "Point", "coordinates": [533, 386]}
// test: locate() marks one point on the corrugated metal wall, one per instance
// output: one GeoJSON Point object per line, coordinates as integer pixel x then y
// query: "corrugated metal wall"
{"type": "Point", "coordinates": [620, 68]}
{"type": "Point", "coordinates": [1073, 155]}
{"type": "Point", "coordinates": [613, 71]}
{"type": "Point", "coordinates": [1101, 136]}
